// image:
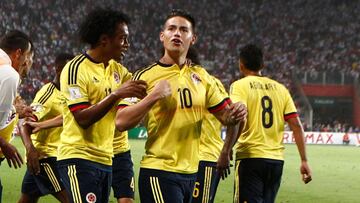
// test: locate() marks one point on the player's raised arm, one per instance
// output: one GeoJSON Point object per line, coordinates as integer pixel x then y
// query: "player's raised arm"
{"type": "Point", "coordinates": [88, 116]}
{"type": "Point", "coordinates": [129, 117]}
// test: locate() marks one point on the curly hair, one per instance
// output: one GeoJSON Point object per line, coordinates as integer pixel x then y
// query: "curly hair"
{"type": "Point", "coordinates": [252, 57]}
{"type": "Point", "coordinates": [98, 22]}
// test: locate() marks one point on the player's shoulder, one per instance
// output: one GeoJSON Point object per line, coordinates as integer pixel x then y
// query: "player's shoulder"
{"type": "Point", "coordinates": [277, 83]}
{"type": "Point", "coordinates": [7, 72]}
{"type": "Point", "coordinates": [44, 93]}
{"type": "Point", "coordinates": [47, 86]}
{"type": "Point", "coordinates": [145, 71]}
{"type": "Point", "coordinates": [74, 68]}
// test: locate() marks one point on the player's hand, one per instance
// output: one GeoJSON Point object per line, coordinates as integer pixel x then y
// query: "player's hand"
{"type": "Point", "coordinates": [36, 126]}
{"type": "Point", "coordinates": [23, 110]}
{"type": "Point", "coordinates": [305, 172]}
{"type": "Point", "coordinates": [162, 89]}
{"type": "Point", "coordinates": [223, 165]}
{"type": "Point", "coordinates": [32, 158]}
{"type": "Point", "coordinates": [131, 88]}
{"type": "Point", "coordinates": [11, 154]}
{"type": "Point", "coordinates": [238, 112]}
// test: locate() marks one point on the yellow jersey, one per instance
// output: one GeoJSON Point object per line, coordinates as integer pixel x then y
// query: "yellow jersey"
{"type": "Point", "coordinates": [85, 82]}
{"type": "Point", "coordinates": [269, 105]}
{"type": "Point", "coordinates": [210, 140]}
{"type": "Point", "coordinates": [121, 142]}
{"type": "Point", "coordinates": [7, 132]}
{"type": "Point", "coordinates": [174, 123]}
{"type": "Point", "coordinates": [47, 104]}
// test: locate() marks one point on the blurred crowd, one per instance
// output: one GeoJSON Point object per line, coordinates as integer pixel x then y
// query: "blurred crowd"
{"type": "Point", "coordinates": [297, 35]}
{"type": "Point", "coordinates": [334, 126]}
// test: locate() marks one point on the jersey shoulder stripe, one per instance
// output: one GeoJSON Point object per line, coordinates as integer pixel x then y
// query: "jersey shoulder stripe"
{"type": "Point", "coordinates": [73, 69]}
{"type": "Point", "coordinates": [49, 91]}
{"type": "Point", "coordinates": [72, 64]}
{"type": "Point", "coordinates": [141, 71]}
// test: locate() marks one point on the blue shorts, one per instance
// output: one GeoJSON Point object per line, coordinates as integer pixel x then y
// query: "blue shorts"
{"type": "Point", "coordinates": [47, 182]}
{"type": "Point", "coordinates": [206, 184]}
{"type": "Point", "coordinates": [257, 179]}
{"type": "Point", "coordinates": [123, 183]}
{"type": "Point", "coordinates": [162, 186]}
{"type": "Point", "coordinates": [85, 181]}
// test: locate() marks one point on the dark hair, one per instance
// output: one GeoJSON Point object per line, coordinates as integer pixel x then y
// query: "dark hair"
{"type": "Point", "coordinates": [61, 60]}
{"type": "Point", "coordinates": [252, 57]}
{"type": "Point", "coordinates": [182, 13]}
{"type": "Point", "coordinates": [193, 55]}
{"type": "Point", "coordinates": [16, 39]}
{"type": "Point", "coordinates": [98, 22]}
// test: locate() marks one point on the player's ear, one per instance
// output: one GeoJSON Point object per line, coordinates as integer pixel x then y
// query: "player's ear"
{"type": "Point", "coordinates": [161, 36]}
{"type": "Point", "coordinates": [103, 39]}
{"type": "Point", "coordinates": [15, 55]}
{"type": "Point", "coordinates": [241, 66]}
{"type": "Point", "coordinates": [194, 38]}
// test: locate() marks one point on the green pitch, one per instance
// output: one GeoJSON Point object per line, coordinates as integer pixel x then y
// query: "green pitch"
{"type": "Point", "coordinates": [335, 176]}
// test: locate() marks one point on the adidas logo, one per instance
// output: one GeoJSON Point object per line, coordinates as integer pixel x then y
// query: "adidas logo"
{"type": "Point", "coordinates": [95, 80]}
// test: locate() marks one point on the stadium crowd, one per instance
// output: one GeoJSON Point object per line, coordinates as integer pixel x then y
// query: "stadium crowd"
{"type": "Point", "coordinates": [298, 35]}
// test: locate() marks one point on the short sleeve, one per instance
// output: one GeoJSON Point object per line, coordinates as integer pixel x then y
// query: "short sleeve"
{"type": "Point", "coordinates": [290, 108]}
{"type": "Point", "coordinates": [74, 87]}
{"type": "Point", "coordinates": [238, 92]}
{"type": "Point", "coordinates": [41, 103]}
{"type": "Point", "coordinates": [217, 98]}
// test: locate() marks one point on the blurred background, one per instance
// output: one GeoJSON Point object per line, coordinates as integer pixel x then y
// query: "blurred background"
{"type": "Point", "coordinates": [312, 47]}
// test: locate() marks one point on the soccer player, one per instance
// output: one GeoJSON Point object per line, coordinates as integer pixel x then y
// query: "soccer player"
{"type": "Point", "coordinates": [123, 182]}
{"type": "Point", "coordinates": [259, 150]}
{"type": "Point", "coordinates": [211, 143]}
{"type": "Point", "coordinates": [16, 52]}
{"type": "Point", "coordinates": [179, 94]}
{"type": "Point", "coordinates": [207, 178]}
{"type": "Point", "coordinates": [42, 177]}
{"type": "Point", "coordinates": [92, 83]}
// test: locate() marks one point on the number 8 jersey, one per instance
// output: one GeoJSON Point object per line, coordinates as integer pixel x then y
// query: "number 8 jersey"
{"type": "Point", "coordinates": [269, 106]}
{"type": "Point", "coordinates": [174, 123]}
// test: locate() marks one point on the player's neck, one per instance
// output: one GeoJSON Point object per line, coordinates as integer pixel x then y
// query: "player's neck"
{"type": "Point", "coordinates": [173, 59]}
{"type": "Point", "coordinates": [253, 73]}
{"type": "Point", "coordinates": [98, 57]}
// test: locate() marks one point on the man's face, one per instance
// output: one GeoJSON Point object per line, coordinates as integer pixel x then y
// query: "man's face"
{"type": "Point", "coordinates": [118, 44]}
{"type": "Point", "coordinates": [177, 35]}
{"type": "Point", "coordinates": [25, 61]}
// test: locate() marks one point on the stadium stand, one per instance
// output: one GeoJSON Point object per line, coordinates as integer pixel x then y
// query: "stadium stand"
{"type": "Point", "coordinates": [305, 39]}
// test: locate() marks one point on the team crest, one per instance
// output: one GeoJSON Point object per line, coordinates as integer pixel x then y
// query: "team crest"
{"type": "Point", "coordinates": [195, 78]}
{"type": "Point", "coordinates": [91, 197]}
{"type": "Point", "coordinates": [116, 77]}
